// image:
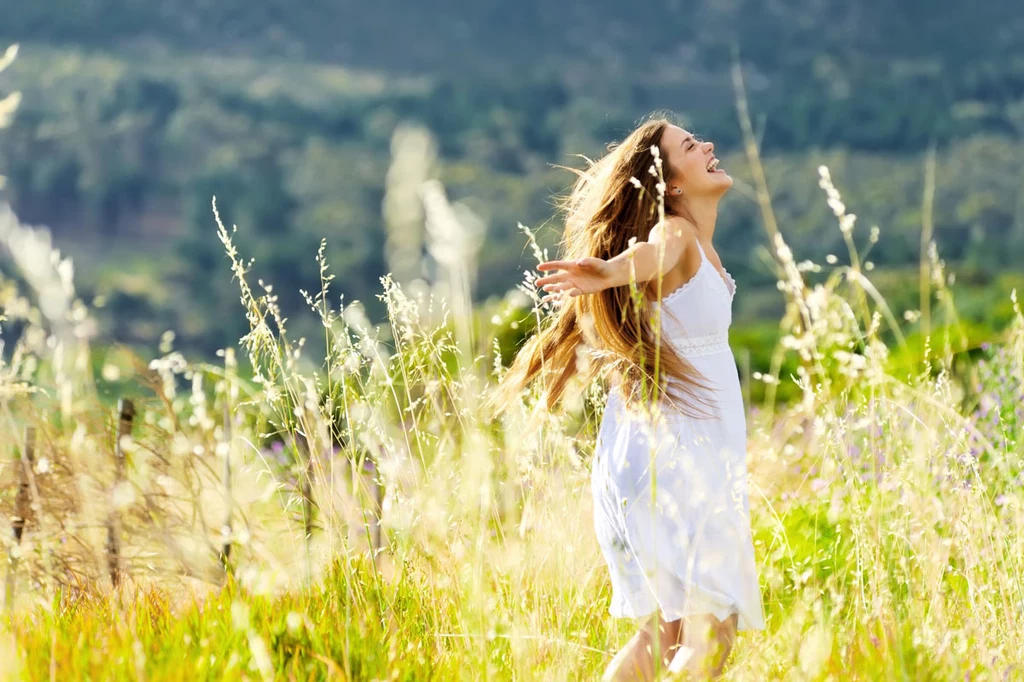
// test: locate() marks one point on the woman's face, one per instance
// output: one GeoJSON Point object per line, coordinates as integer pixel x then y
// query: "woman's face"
{"type": "Point", "coordinates": [687, 162]}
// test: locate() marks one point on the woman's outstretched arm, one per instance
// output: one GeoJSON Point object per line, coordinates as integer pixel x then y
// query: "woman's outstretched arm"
{"type": "Point", "coordinates": [662, 251]}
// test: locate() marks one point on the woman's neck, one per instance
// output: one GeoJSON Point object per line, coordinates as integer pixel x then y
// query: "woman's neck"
{"type": "Point", "coordinates": [703, 215]}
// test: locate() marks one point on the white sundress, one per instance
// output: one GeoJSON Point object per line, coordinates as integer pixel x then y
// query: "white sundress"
{"type": "Point", "coordinates": [686, 548]}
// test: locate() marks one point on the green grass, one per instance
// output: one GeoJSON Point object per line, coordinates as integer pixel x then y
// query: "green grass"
{"type": "Point", "coordinates": [885, 493]}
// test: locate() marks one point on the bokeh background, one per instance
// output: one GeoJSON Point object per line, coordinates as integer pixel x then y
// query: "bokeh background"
{"type": "Point", "coordinates": [136, 113]}
{"type": "Point", "coordinates": [332, 502]}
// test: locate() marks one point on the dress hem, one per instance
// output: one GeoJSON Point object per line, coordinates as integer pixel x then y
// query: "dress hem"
{"type": "Point", "coordinates": [698, 601]}
{"type": "Point", "coordinates": [743, 623]}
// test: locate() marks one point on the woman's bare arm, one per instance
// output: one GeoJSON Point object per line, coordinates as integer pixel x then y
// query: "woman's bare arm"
{"type": "Point", "coordinates": [662, 251]}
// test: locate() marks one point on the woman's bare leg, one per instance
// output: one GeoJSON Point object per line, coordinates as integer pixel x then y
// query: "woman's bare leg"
{"type": "Point", "coordinates": [706, 644]}
{"type": "Point", "coordinates": [635, 661]}
{"type": "Point", "coordinates": [726, 634]}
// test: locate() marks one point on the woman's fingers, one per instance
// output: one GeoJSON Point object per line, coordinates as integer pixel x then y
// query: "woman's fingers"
{"type": "Point", "coordinates": [556, 265]}
{"type": "Point", "coordinates": [559, 285]}
{"type": "Point", "coordinates": [550, 279]}
{"type": "Point", "coordinates": [561, 296]}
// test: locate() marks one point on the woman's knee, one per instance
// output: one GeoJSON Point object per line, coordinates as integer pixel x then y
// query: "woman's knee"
{"type": "Point", "coordinates": [727, 628]}
{"type": "Point", "coordinates": [671, 630]}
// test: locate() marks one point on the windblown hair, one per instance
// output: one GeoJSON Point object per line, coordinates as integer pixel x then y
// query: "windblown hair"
{"type": "Point", "coordinates": [604, 211]}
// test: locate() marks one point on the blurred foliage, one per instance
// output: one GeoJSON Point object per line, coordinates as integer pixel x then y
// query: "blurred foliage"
{"type": "Point", "coordinates": [133, 117]}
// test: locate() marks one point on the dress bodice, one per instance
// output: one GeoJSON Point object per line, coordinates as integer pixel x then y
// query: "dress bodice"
{"type": "Point", "coordinates": [697, 315]}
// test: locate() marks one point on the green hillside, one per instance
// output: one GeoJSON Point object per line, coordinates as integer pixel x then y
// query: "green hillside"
{"type": "Point", "coordinates": [136, 113]}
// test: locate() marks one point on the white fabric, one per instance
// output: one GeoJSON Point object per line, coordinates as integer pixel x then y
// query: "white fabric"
{"type": "Point", "coordinates": [681, 540]}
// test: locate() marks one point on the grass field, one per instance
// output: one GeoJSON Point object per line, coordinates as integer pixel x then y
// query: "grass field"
{"type": "Point", "coordinates": [381, 529]}
{"type": "Point", "coordinates": [886, 509]}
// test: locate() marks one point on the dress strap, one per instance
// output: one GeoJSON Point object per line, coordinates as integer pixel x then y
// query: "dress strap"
{"type": "Point", "coordinates": [717, 273]}
{"type": "Point", "coordinates": [703, 255]}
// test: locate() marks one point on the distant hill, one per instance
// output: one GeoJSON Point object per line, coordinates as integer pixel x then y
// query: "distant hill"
{"type": "Point", "coordinates": [137, 112]}
{"type": "Point", "coordinates": [866, 74]}
{"type": "Point", "coordinates": [438, 35]}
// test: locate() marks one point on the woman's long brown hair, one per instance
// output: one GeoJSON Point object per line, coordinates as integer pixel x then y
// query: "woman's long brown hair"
{"type": "Point", "coordinates": [603, 212]}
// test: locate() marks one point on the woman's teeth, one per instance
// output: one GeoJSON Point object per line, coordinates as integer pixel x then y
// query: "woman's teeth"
{"type": "Point", "coordinates": [712, 166]}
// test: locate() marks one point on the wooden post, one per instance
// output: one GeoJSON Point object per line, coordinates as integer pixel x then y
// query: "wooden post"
{"type": "Point", "coordinates": [306, 485]}
{"type": "Point", "coordinates": [305, 474]}
{"type": "Point", "coordinates": [230, 393]}
{"type": "Point", "coordinates": [378, 506]}
{"type": "Point", "coordinates": [225, 552]}
{"type": "Point", "coordinates": [124, 428]}
{"type": "Point", "coordinates": [21, 509]}
{"type": "Point", "coordinates": [370, 470]}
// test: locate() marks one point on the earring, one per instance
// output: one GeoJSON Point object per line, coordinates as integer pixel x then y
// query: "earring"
{"type": "Point", "coordinates": [677, 190]}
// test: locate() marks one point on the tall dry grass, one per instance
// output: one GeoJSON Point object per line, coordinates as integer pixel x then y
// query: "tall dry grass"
{"type": "Point", "coordinates": [886, 506]}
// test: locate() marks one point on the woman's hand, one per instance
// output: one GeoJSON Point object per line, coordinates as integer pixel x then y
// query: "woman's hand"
{"type": "Point", "coordinates": [583, 276]}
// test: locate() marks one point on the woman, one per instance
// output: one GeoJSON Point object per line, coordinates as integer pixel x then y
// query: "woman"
{"type": "Point", "coordinates": [641, 282]}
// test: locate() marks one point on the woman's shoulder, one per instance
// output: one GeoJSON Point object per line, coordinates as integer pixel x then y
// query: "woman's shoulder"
{"type": "Point", "coordinates": [678, 227]}
{"type": "Point", "coordinates": [675, 229]}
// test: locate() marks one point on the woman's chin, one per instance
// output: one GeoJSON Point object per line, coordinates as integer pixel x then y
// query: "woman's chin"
{"type": "Point", "coordinates": [723, 181]}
